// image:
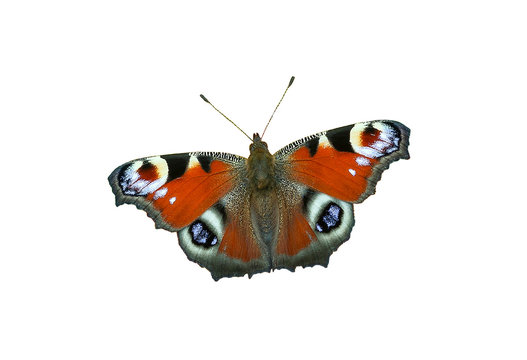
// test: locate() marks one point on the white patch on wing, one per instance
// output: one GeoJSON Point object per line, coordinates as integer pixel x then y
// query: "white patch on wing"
{"type": "Point", "coordinates": [352, 172]}
{"type": "Point", "coordinates": [386, 143]}
{"type": "Point", "coordinates": [131, 182]}
{"type": "Point", "coordinates": [379, 145]}
{"type": "Point", "coordinates": [130, 176]}
{"type": "Point", "coordinates": [362, 161]}
{"type": "Point", "coordinates": [160, 193]}
{"type": "Point", "coordinates": [172, 200]}
{"type": "Point", "coordinates": [368, 151]}
{"type": "Point", "coordinates": [193, 162]}
{"type": "Point", "coordinates": [323, 141]}
{"type": "Point", "coordinates": [355, 135]}
{"type": "Point", "coordinates": [147, 187]}
{"type": "Point", "coordinates": [387, 132]}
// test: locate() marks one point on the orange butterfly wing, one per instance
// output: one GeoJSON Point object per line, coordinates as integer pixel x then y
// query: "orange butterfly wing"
{"type": "Point", "coordinates": [331, 170]}
{"type": "Point", "coordinates": [347, 162]}
{"type": "Point", "coordinates": [203, 197]}
{"type": "Point", "coordinates": [175, 189]}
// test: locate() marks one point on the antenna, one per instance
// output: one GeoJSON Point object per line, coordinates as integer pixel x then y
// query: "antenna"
{"type": "Point", "coordinates": [285, 92]}
{"type": "Point", "coordinates": [232, 122]}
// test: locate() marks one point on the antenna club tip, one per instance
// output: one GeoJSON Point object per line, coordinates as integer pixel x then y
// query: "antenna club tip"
{"type": "Point", "coordinates": [291, 81]}
{"type": "Point", "coordinates": [204, 98]}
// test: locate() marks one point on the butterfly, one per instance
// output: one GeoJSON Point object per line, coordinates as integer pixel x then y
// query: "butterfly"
{"type": "Point", "coordinates": [236, 216]}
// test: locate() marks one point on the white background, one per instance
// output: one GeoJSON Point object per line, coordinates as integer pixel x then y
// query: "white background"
{"type": "Point", "coordinates": [436, 265]}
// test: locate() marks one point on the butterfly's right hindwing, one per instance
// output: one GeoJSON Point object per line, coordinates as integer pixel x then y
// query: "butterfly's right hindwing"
{"type": "Point", "coordinates": [312, 226]}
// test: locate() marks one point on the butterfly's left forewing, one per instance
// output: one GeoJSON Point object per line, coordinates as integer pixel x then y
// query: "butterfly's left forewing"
{"type": "Point", "coordinates": [175, 189]}
{"type": "Point", "coordinates": [322, 176]}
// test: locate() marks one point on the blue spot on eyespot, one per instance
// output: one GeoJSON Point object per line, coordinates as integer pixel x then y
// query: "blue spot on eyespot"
{"type": "Point", "coordinates": [202, 235]}
{"type": "Point", "coordinates": [330, 218]}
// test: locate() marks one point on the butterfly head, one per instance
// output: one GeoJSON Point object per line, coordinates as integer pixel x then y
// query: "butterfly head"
{"type": "Point", "coordinates": [258, 145]}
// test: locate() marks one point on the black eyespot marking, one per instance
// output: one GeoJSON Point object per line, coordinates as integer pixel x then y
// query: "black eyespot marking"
{"type": "Point", "coordinates": [202, 235]}
{"type": "Point", "coordinates": [340, 138]}
{"type": "Point", "coordinates": [123, 178]}
{"type": "Point", "coordinates": [370, 130]}
{"type": "Point", "coordinates": [177, 165]}
{"type": "Point", "coordinates": [330, 218]}
{"type": "Point", "coordinates": [205, 161]}
{"type": "Point", "coordinates": [312, 145]}
{"type": "Point", "coordinates": [128, 182]}
{"type": "Point", "coordinates": [147, 165]}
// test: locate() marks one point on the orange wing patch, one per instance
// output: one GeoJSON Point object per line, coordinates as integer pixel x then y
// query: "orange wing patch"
{"type": "Point", "coordinates": [368, 138]}
{"type": "Point", "coordinates": [346, 162]}
{"type": "Point", "coordinates": [343, 175]}
{"type": "Point", "coordinates": [295, 234]}
{"type": "Point", "coordinates": [184, 199]}
{"type": "Point", "coordinates": [238, 243]}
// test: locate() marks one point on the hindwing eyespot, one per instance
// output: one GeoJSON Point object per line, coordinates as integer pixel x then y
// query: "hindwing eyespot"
{"type": "Point", "coordinates": [202, 235]}
{"type": "Point", "coordinates": [330, 218]}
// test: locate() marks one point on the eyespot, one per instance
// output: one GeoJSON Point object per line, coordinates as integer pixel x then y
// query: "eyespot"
{"type": "Point", "coordinates": [330, 218]}
{"type": "Point", "coordinates": [201, 235]}
{"type": "Point", "coordinates": [143, 177]}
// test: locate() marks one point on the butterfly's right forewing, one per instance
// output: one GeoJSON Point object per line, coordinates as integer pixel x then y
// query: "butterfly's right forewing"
{"type": "Point", "coordinates": [346, 162]}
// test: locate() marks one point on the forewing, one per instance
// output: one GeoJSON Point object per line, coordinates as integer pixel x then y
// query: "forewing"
{"type": "Point", "coordinates": [176, 189]}
{"type": "Point", "coordinates": [347, 162]}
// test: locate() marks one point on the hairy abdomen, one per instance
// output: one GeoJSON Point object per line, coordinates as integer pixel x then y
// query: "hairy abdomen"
{"type": "Point", "coordinates": [265, 214]}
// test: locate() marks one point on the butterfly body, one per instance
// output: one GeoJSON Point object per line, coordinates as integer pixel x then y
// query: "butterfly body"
{"type": "Point", "coordinates": [263, 198]}
{"type": "Point", "coordinates": [237, 216]}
